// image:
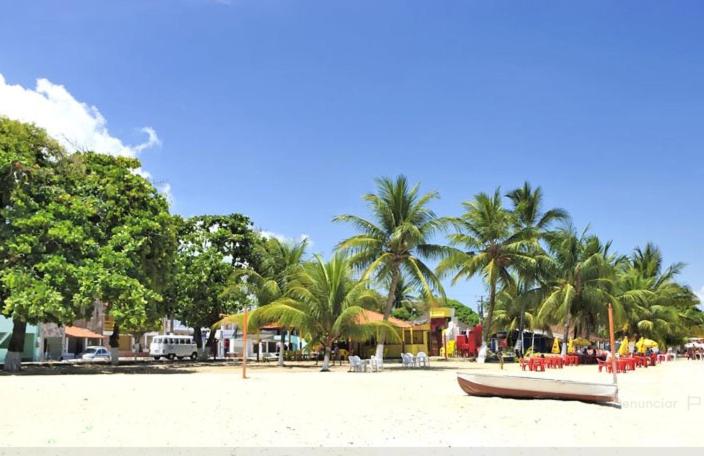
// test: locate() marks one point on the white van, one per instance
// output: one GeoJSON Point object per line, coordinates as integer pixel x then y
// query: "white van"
{"type": "Point", "coordinates": [170, 346]}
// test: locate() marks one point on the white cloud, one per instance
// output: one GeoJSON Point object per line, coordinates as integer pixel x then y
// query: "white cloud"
{"type": "Point", "coordinates": [283, 238]}
{"type": "Point", "coordinates": [75, 124]}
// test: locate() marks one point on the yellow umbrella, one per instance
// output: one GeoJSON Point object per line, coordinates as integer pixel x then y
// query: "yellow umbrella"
{"type": "Point", "coordinates": [639, 346]}
{"type": "Point", "coordinates": [623, 350]}
{"type": "Point", "coordinates": [649, 343]}
{"type": "Point", "coordinates": [570, 346]}
{"type": "Point", "coordinates": [581, 342]}
{"type": "Point", "coordinates": [556, 346]}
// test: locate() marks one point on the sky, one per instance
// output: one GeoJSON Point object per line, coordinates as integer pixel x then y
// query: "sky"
{"type": "Point", "coordinates": [286, 111]}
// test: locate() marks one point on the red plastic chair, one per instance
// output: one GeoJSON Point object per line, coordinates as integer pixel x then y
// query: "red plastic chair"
{"type": "Point", "coordinates": [524, 363]}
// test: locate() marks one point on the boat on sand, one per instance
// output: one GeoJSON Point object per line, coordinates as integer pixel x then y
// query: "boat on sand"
{"type": "Point", "coordinates": [535, 388]}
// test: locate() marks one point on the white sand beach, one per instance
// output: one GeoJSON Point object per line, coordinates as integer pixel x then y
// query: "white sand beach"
{"type": "Point", "coordinates": [299, 406]}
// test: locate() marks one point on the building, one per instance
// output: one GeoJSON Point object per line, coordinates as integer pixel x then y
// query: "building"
{"type": "Point", "coordinates": [413, 338]}
{"type": "Point", "coordinates": [31, 350]}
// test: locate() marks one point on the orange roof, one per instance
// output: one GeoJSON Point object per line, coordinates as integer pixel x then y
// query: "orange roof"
{"type": "Point", "coordinates": [370, 315]}
{"type": "Point", "coordinates": [271, 326]}
{"type": "Point", "coordinates": [75, 331]}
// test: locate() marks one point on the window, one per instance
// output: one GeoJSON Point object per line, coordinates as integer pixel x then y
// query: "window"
{"type": "Point", "coordinates": [407, 337]}
{"type": "Point", "coordinates": [417, 337]}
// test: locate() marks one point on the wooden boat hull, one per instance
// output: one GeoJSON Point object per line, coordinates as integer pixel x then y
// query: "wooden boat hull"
{"type": "Point", "coordinates": [536, 388]}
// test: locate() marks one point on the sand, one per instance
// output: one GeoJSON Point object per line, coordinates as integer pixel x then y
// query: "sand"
{"type": "Point", "coordinates": [299, 406]}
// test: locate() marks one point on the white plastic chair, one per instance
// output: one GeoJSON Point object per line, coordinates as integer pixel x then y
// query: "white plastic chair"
{"type": "Point", "coordinates": [355, 364]}
{"type": "Point", "coordinates": [377, 364]}
{"type": "Point", "coordinates": [422, 359]}
{"type": "Point", "coordinates": [407, 360]}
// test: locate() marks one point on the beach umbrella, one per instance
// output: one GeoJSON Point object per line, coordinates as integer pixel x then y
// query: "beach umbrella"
{"type": "Point", "coordinates": [649, 343]}
{"type": "Point", "coordinates": [581, 342]}
{"type": "Point", "coordinates": [623, 349]}
{"type": "Point", "coordinates": [556, 346]}
{"type": "Point", "coordinates": [639, 346]}
{"type": "Point", "coordinates": [570, 346]}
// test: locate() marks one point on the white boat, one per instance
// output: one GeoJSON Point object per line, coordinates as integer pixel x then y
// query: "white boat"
{"type": "Point", "coordinates": [536, 388]}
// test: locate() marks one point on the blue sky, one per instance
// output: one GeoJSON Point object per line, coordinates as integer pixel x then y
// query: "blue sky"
{"type": "Point", "coordinates": [286, 111]}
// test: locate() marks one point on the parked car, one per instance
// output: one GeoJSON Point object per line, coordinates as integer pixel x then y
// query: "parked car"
{"type": "Point", "coordinates": [95, 353]}
{"type": "Point", "coordinates": [171, 347]}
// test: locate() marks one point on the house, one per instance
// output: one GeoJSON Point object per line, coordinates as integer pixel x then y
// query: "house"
{"type": "Point", "coordinates": [413, 338]}
{"type": "Point", "coordinates": [263, 344]}
{"type": "Point", "coordinates": [31, 344]}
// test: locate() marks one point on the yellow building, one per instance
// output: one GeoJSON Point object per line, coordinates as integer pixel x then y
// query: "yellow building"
{"type": "Point", "coordinates": [413, 338]}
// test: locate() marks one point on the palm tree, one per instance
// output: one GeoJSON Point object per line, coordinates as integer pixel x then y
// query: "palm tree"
{"type": "Point", "coordinates": [280, 264]}
{"type": "Point", "coordinates": [529, 215]}
{"type": "Point", "coordinates": [580, 281]}
{"type": "Point", "coordinates": [656, 305]}
{"type": "Point", "coordinates": [397, 242]}
{"type": "Point", "coordinates": [488, 243]}
{"type": "Point", "coordinates": [517, 305]}
{"type": "Point", "coordinates": [327, 304]}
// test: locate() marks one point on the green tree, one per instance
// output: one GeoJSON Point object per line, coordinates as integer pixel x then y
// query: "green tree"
{"type": "Point", "coordinates": [211, 249]}
{"type": "Point", "coordinates": [656, 306]}
{"type": "Point", "coordinates": [136, 238]}
{"type": "Point", "coordinates": [463, 313]}
{"type": "Point", "coordinates": [327, 305]}
{"type": "Point", "coordinates": [43, 233]}
{"type": "Point", "coordinates": [77, 229]}
{"type": "Point", "coordinates": [397, 242]}
{"type": "Point", "coordinates": [488, 243]}
{"type": "Point", "coordinates": [580, 282]}
{"type": "Point", "coordinates": [529, 216]}
{"type": "Point", "coordinates": [280, 264]}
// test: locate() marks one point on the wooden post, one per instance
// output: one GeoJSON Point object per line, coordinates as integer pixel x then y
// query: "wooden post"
{"type": "Point", "coordinates": [612, 341]}
{"type": "Point", "coordinates": [244, 343]}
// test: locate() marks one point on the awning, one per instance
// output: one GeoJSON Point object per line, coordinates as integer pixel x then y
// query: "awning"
{"type": "Point", "coordinates": [83, 333]}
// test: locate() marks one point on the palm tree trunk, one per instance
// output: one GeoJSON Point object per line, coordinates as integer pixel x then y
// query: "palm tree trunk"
{"type": "Point", "coordinates": [566, 335]}
{"type": "Point", "coordinates": [281, 349]}
{"type": "Point", "coordinates": [13, 359]}
{"type": "Point", "coordinates": [486, 329]}
{"type": "Point", "coordinates": [521, 327]}
{"type": "Point", "coordinates": [395, 277]}
{"type": "Point", "coordinates": [326, 360]}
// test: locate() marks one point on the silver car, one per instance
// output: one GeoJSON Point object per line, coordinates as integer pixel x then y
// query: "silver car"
{"type": "Point", "coordinates": [96, 353]}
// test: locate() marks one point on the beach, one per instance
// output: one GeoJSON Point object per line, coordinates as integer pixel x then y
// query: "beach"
{"type": "Point", "coordinates": [299, 406]}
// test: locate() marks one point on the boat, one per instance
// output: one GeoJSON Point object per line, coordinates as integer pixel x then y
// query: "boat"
{"type": "Point", "coordinates": [536, 388]}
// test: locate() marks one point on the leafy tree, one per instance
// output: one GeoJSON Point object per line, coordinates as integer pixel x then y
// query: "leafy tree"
{"type": "Point", "coordinates": [78, 229]}
{"type": "Point", "coordinates": [211, 248]}
{"type": "Point", "coordinates": [528, 215]}
{"type": "Point", "coordinates": [655, 304]}
{"type": "Point", "coordinates": [136, 236]}
{"type": "Point", "coordinates": [463, 313]}
{"type": "Point", "coordinates": [407, 305]}
{"type": "Point", "coordinates": [280, 264]}
{"type": "Point", "coordinates": [580, 284]}
{"type": "Point", "coordinates": [327, 304]}
{"type": "Point", "coordinates": [42, 233]}
{"type": "Point", "coordinates": [398, 240]}
{"type": "Point", "coordinates": [488, 243]}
